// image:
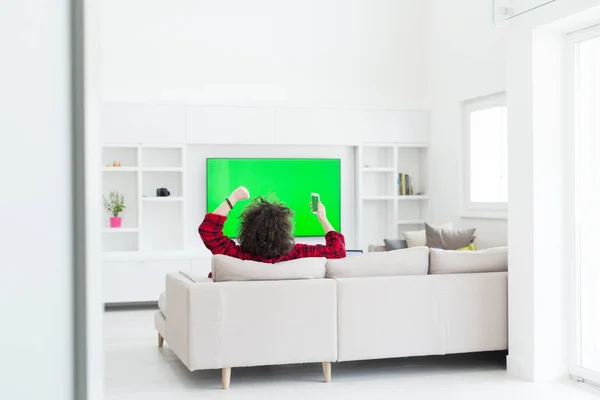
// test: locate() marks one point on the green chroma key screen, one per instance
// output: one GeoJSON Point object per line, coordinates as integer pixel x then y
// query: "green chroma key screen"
{"type": "Point", "coordinates": [289, 181]}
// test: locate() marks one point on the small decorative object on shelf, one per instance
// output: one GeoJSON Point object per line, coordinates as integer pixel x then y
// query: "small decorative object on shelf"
{"type": "Point", "coordinates": [162, 192]}
{"type": "Point", "coordinates": [114, 205]}
{"type": "Point", "coordinates": [116, 163]}
{"type": "Point", "coordinates": [404, 185]}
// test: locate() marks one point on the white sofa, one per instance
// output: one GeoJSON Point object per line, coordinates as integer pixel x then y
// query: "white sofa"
{"type": "Point", "coordinates": [366, 307]}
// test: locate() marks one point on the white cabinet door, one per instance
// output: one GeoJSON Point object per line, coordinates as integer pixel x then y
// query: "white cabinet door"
{"type": "Point", "coordinates": [230, 125]}
{"type": "Point", "coordinates": [120, 281]}
{"type": "Point", "coordinates": [395, 126]}
{"type": "Point", "coordinates": [311, 126]}
{"type": "Point", "coordinates": [138, 281]}
{"type": "Point", "coordinates": [142, 123]}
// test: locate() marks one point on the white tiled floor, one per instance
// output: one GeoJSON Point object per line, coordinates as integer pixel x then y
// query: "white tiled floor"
{"type": "Point", "coordinates": [137, 370]}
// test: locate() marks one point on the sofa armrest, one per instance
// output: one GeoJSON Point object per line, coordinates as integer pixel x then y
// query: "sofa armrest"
{"type": "Point", "coordinates": [193, 323]}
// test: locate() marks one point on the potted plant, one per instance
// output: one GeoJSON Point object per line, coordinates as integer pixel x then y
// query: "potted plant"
{"type": "Point", "coordinates": [114, 205]}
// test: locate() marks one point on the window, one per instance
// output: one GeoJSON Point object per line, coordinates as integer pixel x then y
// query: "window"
{"type": "Point", "coordinates": [585, 59]}
{"type": "Point", "coordinates": [485, 182]}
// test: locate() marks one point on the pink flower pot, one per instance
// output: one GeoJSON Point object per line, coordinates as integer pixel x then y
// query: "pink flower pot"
{"type": "Point", "coordinates": [115, 222]}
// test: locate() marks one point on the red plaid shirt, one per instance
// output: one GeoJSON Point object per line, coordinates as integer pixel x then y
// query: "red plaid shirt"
{"type": "Point", "coordinates": [211, 232]}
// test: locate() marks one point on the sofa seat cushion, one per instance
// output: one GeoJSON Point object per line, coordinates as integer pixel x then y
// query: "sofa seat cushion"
{"type": "Point", "coordinates": [411, 261]}
{"type": "Point", "coordinates": [225, 268]}
{"type": "Point", "coordinates": [162, 304]}
{"type": "Point", "coordinates": [494, 259]}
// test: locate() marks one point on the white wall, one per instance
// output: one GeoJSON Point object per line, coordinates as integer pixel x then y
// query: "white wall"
{"type": "Point", "coordinates": [264, 52]}
{"type": "Point", "coordinates": [36, 207]}
{"type": "Point", "coordinates": [465, 60]}
{"type": "Point", "coordinates": [196, 181]}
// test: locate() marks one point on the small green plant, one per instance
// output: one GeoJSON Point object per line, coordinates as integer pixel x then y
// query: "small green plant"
{"type": "Point", "coordinates": [115, 203]}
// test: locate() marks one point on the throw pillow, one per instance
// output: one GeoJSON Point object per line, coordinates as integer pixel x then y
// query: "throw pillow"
{"type": "Point", "coordinates": [470, 247]}
{"type": "Point", "coordinates": [395, 244]}
{"type": "Point", "coordinates": [415, 238]}
{"type": "Point", "coordinates": [402, 262]}
{"type": "Point", "coordinates": [448, 239]}
{"type": "Point", "coordinates": [456, 262]}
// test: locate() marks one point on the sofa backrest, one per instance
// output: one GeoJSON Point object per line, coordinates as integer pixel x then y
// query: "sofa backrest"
{"type": "Point", "coordinates": [225, 268]}
{"type": "Point", "coordinates": [413, 261]}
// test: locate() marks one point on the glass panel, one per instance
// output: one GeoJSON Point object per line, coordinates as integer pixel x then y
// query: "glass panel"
{"type": "Point", "coordinates": [588, 174]}
{"type": "Point", "coordinates": [507, 9]}
{"type": "Point", "coordinates": [488, 167]}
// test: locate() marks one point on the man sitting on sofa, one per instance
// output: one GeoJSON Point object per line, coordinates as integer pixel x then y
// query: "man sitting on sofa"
{"type": "Point", "coordinates": [265, 232]}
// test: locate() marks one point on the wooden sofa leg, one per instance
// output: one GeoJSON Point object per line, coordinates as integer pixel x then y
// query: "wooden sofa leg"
{"type": "Point", "coordinates": [161, 340]}
{"type": "Point", "coordinates": [225, 377]}
{"type": "Point", "coordinates": [327, 371]}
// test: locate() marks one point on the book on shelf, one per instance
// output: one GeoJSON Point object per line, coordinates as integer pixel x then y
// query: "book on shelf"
{"type": "Point", "coordinates": [405, 187]}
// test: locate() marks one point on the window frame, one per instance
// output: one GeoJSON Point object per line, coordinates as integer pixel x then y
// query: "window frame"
{"type": "Point", "coordinates": [470, 208]}
{"type": "Point", "coordinates": [572, 215]}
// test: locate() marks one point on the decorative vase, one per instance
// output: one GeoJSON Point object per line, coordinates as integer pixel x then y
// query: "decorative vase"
{"type": "Point", "coordinates": [115, 222]}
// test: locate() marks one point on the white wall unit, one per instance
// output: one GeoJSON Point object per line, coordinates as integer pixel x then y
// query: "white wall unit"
{"type": "Point", "coordinates": [126, 183]}
{"type": "Point", "coordinates": [120, 240]}
{"type": "Point", "coordinates": [382, 211]}
{"type": "Point", "coordinates": [126, 156]}
{"type": "Point", "coordinates": [160, 179]}
{"type": "Point", "coordinates": [138, 281]}
{"type": "Point", "coordinates": [163, 226]}
{"type": "Point", "coordinates": [391, 126]}
{"type": "Point", "coordinates": [156, 158]}
{"type": "Point", "coordinates": [151, 225]}
{"type": "Point", "coordinates": [123, 123]}
{"type": "Point", "coordinates": [318, 126]}
{"type": "Point", "coordinates": [227, 125]}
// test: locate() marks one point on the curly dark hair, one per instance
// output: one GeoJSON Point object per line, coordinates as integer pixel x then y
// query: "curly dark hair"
{"type": "Point", "coordinates": [266, 229]}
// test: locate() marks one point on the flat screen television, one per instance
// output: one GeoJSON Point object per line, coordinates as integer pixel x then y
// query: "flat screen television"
{"type": "Point", "coordinates": [287, 180]}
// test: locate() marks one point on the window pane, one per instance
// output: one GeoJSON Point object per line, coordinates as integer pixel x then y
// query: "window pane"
{"type": "Point", "coordinates": [488, 167]}
{"type": "Point", "coordinates": [588, 175]}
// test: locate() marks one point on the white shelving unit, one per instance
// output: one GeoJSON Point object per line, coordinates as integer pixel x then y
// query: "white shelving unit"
{"type": "Point", "coordinates": [151, 241]}
{"type": "Point", "coordinates": [381, 211]}
{"type": "Point", "coordinates": [149, 223]}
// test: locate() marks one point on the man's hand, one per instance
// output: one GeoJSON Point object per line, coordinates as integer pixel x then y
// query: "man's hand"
{"type": "Point", "coordinates": [241, 193]}
{"type": "Point", "coordinates": [322, 216]}
{"type": "Point", "coordinates": [321, 212]}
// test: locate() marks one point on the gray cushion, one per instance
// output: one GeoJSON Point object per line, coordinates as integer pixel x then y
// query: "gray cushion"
{"type": "Point", "coordinates": [225, 268]}
{"type": "Point", "coordinates": [376, 247]}
{"type": "Point", "coordinates": [412, 261]}
{"type": "Point", "coordinates": [395, 244]}
{"type": "Point", "coordinates": [448, 239]}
